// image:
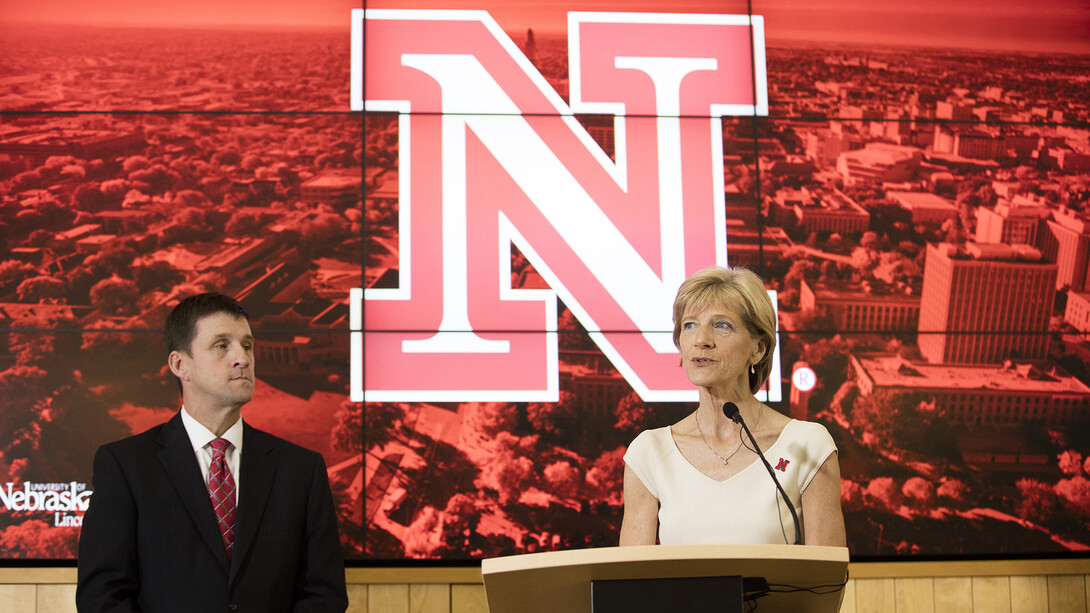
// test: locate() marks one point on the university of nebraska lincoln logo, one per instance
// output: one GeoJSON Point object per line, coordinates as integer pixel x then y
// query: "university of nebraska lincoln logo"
{"type": "Point", "coordinates": [490, 156]}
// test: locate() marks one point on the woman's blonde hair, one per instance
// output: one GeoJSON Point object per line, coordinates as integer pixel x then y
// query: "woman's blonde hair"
{"type": "Point", "coordinates": [742, 288]}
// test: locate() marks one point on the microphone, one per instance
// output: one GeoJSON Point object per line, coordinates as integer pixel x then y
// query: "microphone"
{"type": "Point", "coordinates": [730, 410]}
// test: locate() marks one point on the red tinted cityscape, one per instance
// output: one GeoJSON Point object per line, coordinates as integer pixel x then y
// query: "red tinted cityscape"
{"type": "Point", "coordinates": [917, 196]}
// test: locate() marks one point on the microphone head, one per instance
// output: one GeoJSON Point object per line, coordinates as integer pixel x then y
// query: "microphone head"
{"type": "Point", "coordinates": [730, 410]}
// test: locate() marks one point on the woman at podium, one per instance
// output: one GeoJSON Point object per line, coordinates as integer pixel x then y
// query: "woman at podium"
{"type": "Point", "coordinates": [701, 481]}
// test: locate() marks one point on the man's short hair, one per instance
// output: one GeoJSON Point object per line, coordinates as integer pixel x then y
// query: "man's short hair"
{"type": "Point", "coordinates": [181, 324]}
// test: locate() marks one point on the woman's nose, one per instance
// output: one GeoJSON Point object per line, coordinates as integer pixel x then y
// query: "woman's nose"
{"type": "Point", "coordinates": [703, 337]}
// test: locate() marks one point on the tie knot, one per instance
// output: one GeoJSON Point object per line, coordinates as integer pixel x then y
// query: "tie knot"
{"type": "Point", "coordinates": [219, 446]}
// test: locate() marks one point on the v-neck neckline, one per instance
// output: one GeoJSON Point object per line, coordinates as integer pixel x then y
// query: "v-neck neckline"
{"type": "Point", "coordinates": [677, 450]}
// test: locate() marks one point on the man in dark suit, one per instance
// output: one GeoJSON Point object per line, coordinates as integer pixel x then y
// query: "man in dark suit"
{"type": "Point", "coordinates": [205, 513]}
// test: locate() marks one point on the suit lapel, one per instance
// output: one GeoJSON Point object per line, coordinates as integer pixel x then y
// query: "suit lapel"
{"type": "Point", "coordinates": [257, 472]}
{"type": "Point", "coordinates": [185, 474]}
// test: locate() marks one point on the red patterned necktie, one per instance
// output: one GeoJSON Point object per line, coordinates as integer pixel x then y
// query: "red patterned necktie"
{"type": "Point", "coordinates": [221, 486]}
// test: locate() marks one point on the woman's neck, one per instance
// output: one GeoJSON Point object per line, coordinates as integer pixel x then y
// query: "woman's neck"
{"type": "Point", "coordinates": [711, 410]}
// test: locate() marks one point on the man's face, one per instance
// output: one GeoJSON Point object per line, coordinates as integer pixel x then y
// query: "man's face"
{"type": "Point", "coordinates": [218, 370]}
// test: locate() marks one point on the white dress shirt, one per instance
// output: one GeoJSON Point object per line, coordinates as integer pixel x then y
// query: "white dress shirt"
{"type": "Point", "coordinates": [202, 437]}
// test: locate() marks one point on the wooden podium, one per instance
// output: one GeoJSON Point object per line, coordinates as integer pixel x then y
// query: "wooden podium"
{"type": "Point", "coordinates": [560, 581]}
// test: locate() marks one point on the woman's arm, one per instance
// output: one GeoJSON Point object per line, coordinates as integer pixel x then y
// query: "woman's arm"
{"type": "Point", "coordinates": [822, 517]}
{"type": "Point", "coordinates": [640, 525]}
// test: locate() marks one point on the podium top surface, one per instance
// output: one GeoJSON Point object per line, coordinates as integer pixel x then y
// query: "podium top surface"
{"type": "Point", "coordinates": [560, 580]}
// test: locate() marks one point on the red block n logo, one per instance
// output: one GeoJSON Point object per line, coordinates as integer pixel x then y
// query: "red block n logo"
{"type": "Point", "coordinates": [491, 156]}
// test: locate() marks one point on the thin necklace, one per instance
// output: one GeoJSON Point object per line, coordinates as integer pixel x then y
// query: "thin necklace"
{"type": "Point", "coordinates": [736, 449]}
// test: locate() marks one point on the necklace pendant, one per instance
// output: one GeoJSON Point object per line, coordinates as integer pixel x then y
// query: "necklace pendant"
{"type": "Point", "coordinates": [724, 461]}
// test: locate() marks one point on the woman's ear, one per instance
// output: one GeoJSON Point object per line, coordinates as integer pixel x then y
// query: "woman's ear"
{"type": "Point", "coordinates": [759, 352]}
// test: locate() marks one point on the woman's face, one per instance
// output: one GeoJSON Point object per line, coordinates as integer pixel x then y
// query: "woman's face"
{"type": "Point", "coordinates": [716, 347]}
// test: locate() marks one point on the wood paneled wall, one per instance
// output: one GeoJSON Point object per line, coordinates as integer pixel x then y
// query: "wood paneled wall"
{"type": "Point", "coordinates": [1015, 594]}
{"type": "Point", "coordinates": [1031, 586]}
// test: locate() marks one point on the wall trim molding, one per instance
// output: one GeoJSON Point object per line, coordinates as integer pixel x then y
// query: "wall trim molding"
{"type": "Point", "coordinates": [472, 574]}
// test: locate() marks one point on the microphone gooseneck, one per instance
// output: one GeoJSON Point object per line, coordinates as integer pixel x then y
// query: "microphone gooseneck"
{"type": "Point", "coordinates": [732, 412]}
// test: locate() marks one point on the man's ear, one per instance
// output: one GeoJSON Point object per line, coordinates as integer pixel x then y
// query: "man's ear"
{"type": "Point", "coordinates": [178, 365]}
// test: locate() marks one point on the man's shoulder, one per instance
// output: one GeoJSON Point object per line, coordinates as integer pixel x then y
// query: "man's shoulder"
{"type": "Point", "coordinates": [269, 441]}
{"type": "Point", "coordinates": [142, 440]}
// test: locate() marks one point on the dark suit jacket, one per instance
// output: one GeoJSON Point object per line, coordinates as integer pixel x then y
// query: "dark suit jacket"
{"type": "Point", "coordinates": [150, 542]}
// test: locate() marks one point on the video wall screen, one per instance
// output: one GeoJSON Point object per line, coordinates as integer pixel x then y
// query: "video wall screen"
{"type": "Point", "coordinates": [458, 229]}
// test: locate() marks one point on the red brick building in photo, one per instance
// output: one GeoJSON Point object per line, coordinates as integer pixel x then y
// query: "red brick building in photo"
{"type": "Point", "coordinates": [985, 303]}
